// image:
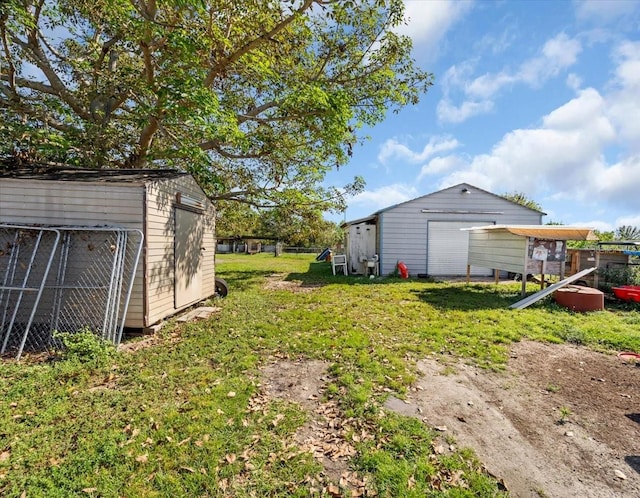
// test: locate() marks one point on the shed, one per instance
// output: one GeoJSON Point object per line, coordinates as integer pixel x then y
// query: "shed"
{"type": "Point", "coordinates": [176, 218]}
{"type": "Point", "coordinates": [523, 249]}
{"type": "Point", "coordinates": [425, 233]}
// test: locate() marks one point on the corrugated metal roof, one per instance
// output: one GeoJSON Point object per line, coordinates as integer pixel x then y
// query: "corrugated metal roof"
{"type": "Point", "coordinates": [359, 220]}
{"type": "Point", "coordinates": [553, 232]}
{"type": "Point", "coordinates": [91, 175]}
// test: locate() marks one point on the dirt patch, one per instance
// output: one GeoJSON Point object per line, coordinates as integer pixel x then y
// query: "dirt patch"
{"type": "Point", "coordinates": [326, 433]}
{"type": "Point", "coordinates": [275, 282]}
{"type": "Point", "coordinates": [561, 421]}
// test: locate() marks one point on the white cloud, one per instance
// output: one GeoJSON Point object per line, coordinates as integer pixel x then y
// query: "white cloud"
{"type": "Point", "coordinates": [441, 165]}
{"type": "Point", "coordinates": [604, 10]}
{"type": "Point", "coordinates": [428, 22]}
{"type": "Point", "coordinates": [633, 221]}
{"type": "Point", "coordinates": [574, 81]}
{"type": "Point", "coordinates": [383, 197]}
{"type": "Point", "coordinates": [394, 150]}
{"type": "Point", "coordinates": [624, 101]}
{"type": "Point", "coordinates": [601, 226]}
{"type": "Point", "coordinates": [564, 154]}
{"type": "Point", "coordinates": [488, 85]}
{"type": "Point", "coordinates": [450, 113]}
{"type": "Point", "coordinates": [619, 183]}
{"type": "Point", "coordinates": [495, 44]}
{"type": "Point", "coordinates": [557, 54]}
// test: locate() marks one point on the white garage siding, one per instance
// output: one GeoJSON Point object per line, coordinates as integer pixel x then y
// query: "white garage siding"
{"type": "Point", "coordinates": [403, 228]}
{"type": "Point", "coordinates": [448, 247]}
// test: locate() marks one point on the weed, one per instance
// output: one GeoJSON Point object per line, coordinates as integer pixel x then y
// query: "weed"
{"type": "Point", "coordinates": [552, 388]}
{"type": "Point", "coordinates": [448, 370]}
{"type": "Point", "coordinates": [85, 346]}
{"type": "Point", "coordinates": [565, 413]}
{"type": "Point", "coordinates": [573, 335]}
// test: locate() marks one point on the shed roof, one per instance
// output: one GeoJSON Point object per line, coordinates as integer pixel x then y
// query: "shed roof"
{"type": "Point", "coordinates": [555, 232]}
{"type": "Point", "coordinates": [91, 175]}
{"type": "Point", "coordinates": [366, 219]}
{"type": "Point", "coordinates": [459, 186]}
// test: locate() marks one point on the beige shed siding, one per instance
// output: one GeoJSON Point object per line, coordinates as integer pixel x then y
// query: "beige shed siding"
{"type": "Point", "coordinates": [403, 228]}
{"type": "Point", "coordinates": [70, 203]}
{"type": "Point", "coordinates": [50, 202]}
{"type": "Point", "coordinates": [497, 249]}
{"type": "Point", "coordinates": [160, 277]}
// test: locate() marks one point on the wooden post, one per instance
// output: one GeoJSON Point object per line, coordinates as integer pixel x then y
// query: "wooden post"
{"type": "Point", "coordinates": [468, 273]}
{"type": "Point", "coordinates": [496, 274]}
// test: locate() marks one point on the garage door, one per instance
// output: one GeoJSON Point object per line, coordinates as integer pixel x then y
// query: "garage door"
{"type": "Point", "coordinates": [447, 248]}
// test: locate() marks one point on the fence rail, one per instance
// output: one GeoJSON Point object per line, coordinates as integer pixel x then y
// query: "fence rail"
{"type": "Point", "coordinates": [64, 279]}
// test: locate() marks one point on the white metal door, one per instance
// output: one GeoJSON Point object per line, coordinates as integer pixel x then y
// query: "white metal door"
{"type": "Point", "coordinates": [448, 247]}
{"type": "Point", "coordinates": [187, 257]}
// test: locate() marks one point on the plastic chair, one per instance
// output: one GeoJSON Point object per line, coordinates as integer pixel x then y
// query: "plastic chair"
{"type": "Point", "coordinates": [339, 261]}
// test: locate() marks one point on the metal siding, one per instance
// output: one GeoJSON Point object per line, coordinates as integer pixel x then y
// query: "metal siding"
{"type": "Point", "coordinates": [448, 247]}
{"type": "Point", "coordinates": [403, 233]}
{"type": "Point", "coordinates": [67, 203]}
{"type": "Point", "coordinates": [507, 256]}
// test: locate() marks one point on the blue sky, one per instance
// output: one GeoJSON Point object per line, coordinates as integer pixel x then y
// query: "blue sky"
{"type": "Point", "coordinates": [539, 97]}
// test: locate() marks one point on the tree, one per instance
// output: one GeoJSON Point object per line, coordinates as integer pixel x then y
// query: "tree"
{"type": "Point", "coordinates": [627, 232]}
{"type": "Point", "coordinates": [294, 228]}
{"type": "Point", "coordinates": [236, 219]}
{"type": "Point", "coordinates": [258, 99]}
{"type": "Point", "coordinates": [522, 199]}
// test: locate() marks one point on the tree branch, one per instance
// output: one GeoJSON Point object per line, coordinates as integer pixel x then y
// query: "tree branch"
{"type": "Point", "coordinates": [59, 88]}
{"type": "Point", "coordinates": [256, 42]}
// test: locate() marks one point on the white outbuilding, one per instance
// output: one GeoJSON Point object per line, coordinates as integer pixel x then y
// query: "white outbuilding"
{"type": "Point", "coordinates": [427, 233]}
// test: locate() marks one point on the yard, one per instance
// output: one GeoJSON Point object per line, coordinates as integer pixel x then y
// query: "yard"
{"type": "Point", "coordinates": [306, 384]}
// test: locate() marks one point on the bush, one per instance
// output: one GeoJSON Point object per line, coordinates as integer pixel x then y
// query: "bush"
{"type": "Point", "coordinates": [85, 347]}
{"type": "Point", "coordinates": [616, 276]}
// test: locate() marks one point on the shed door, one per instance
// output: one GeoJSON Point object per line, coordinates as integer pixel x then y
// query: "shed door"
{"type": "Point", "coordinates": [362, 244]}
{"type": "Point", "coordinates": [187, 257]}
{"type": "Point", "coordinates": [448, 247]}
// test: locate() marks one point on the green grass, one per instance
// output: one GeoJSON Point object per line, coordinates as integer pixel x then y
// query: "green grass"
{"type": "Point", "coordinates": [177, 419]}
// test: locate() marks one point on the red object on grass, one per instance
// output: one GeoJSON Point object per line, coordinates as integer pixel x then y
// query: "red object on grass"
{"type": "Point", "coordinates": [404, 271]}
{"type": "Point", "coordinates": [627, 292]}
{"type": "Point", "coordinates": [580, 298]}
{"type": "Point", "coordinates": [629, 356]}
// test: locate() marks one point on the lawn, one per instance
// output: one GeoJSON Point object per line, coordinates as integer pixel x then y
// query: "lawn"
{"type": "Point", "coordinates": [183, 416]}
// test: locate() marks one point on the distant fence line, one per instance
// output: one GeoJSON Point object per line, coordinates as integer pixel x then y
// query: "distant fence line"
{"type": "Point", "coordinates": [242, 248]}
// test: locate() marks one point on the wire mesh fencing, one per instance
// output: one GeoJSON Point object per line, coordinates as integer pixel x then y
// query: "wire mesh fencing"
{"type": "Point", "coordinates": [26, 257]}
{"type": "Point", "coordinates": [85, 278]}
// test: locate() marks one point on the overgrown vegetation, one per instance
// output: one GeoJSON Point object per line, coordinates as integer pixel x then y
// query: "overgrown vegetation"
{"type": "Point", "coordinates": [617, 276]}
{"type": "Point", "coordinates": [179, 417]}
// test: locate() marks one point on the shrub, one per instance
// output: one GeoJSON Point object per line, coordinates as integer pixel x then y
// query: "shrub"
{"type": "Point", "coordinates": [85, 347]}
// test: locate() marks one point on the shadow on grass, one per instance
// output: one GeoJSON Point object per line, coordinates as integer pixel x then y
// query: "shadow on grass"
{"type": "Point", "coordinates": [242, 280]}
{"type": "Point", "coordinates": [321, 273]}
{"type": "Point", "coordinates": [467, 297]}
{"type": "Point", "coordinates": [440, 295]}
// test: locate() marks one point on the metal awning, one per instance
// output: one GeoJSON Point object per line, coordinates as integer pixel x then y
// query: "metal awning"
{"type": "Point", "coordinates": [552, 232]}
